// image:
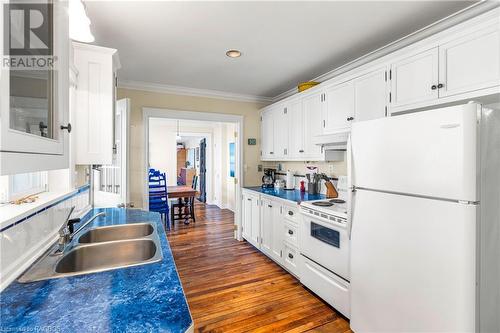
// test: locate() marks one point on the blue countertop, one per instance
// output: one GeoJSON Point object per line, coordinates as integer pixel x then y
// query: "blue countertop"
{"type": "Point", "coordinates": [291, 195]}
{"type": "Point", "coordinates": [146, 298]}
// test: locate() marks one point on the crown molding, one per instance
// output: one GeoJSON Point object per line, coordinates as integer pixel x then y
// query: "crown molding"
{"type": "Point", "coordinates": [185, 91]}
{"type": "Point", "coordinates": [445, 23]}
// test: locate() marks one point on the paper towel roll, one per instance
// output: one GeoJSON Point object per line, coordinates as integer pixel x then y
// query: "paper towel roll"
{"type": "Point", "coordinates": [289, 180]}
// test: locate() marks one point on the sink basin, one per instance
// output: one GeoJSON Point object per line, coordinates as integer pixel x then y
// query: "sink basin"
{"type": "Point", "coordinates": [105, 256]}
{"type": "Point", "coordinates": [117, 232]}
{"type": "Point", "coordinates": [108, 248]}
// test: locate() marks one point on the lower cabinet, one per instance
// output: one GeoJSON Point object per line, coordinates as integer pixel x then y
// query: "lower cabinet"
{"type": "Point", "coordinates": [251, 218]}
{"type": "Point", "coordinates": [271, 226]}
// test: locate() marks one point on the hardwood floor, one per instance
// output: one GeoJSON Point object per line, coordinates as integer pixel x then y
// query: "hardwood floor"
{"type": "Point", "coordinates": [232, 287]}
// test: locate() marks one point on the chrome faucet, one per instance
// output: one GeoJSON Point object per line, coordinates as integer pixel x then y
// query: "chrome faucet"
{"type": "Point", "coordinates": [66, 232]}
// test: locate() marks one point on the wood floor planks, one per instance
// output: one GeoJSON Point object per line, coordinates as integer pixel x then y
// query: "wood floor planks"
{"type": "Point", "coordinates": [232, 287]}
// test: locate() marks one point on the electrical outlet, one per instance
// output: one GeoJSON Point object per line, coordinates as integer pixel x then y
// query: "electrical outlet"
{"type": "Point", "coordinates": [259, 168]}
{"type": "Point", "coordinates": [331, 169]}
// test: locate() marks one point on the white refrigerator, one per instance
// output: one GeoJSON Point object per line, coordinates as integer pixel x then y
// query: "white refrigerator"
{"type": "Point", "coordinates": [425, 221]}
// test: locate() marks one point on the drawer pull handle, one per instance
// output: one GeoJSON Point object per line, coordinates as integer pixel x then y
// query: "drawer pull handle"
{"type": "Point", "coordinates": [290, 255]}
{"type": "Point", "coordinates": [290, 232]}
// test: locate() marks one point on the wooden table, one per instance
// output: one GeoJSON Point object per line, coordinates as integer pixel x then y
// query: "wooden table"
{"type": "Point", "coordinates": [183, 193]}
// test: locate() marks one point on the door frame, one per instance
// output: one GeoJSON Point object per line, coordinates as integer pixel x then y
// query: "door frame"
{"type": "Point", "coordinates": [238, 120]}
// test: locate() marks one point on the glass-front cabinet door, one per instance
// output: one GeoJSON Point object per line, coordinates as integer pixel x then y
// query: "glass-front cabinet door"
{"type": "Point", "coordinates": [34, 78]}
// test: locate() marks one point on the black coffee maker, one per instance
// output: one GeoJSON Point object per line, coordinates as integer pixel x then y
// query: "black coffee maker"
{"type": "Point", "coordinates": [268, 178]}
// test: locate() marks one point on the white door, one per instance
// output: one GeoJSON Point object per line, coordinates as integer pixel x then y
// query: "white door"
{"type": "Point", "coordinates": [255, 222]}
{"type": "Point", "coordinates": [431, 153]}
{"type": "Point", "coordinates": [280, 132]}
{"type": "Point", "coordinates": [35, 102]}
{"type": "Point", "coordinates": [278, 227]}
{"type": "Point", "coordinates": [312, 107]}
{"type": "Point", "coordinates": [266, 229]}
{"type": "Point", "coordinates": [412, 264]}
{"type": "Point", "coordinates": [295, 129]}
{"type": "Point", "coordinates": [339, 110]}
{"type": "Point", "coordinates": [95, 104]}
{"type": "Point", "coordinates": [111, 181]}
{"type": "Point", "coordinates": [371, 95]}
{"type": "Point", "coordinates": [267, 134]}
{"type": "Point", "coordinates": [415, 79]}
{"type": "Point", "coordinates": [470, 63]}
{"type": "Point", "coordinates": [247, 216]}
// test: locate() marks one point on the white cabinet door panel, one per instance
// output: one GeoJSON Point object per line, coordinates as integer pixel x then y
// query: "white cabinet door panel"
{"type": "Point", "coordinates": [295, 129]}
{"type": "Point", "coordinates": [370, 95]}
{"type": "Point", "coordinates": [313, 114]}
{"type": "Point", "coordinates": [470, 63]}
{"type": "Point", "coordinates": [267, 134]}
{"type": "Point", "coordinates": [280, 131]}
{"type": "Point", "coordinates": [415, 79]}
{"type": "Point", "coordinates": [339, 108]}
{"type": "Point", "coordinates": [267, 220]}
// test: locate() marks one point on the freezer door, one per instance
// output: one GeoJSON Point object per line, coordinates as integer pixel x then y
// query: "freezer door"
{"type": "Point", "coordinates": [430, 153]}
{"type": "Point", "coordinates": [412, 264]}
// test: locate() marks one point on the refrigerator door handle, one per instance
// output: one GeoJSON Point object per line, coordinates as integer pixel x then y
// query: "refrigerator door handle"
{"type": "Point", "coordinates": [350, 186]}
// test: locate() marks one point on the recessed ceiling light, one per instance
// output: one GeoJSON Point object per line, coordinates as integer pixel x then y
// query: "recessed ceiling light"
{"type": "Point", "coordinates": [233, 54]}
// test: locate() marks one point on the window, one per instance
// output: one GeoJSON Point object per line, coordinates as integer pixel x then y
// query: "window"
{"type": "Point", "coordinates": [17, 186]}
{"type": "Point", "coordinates": [232, 160]}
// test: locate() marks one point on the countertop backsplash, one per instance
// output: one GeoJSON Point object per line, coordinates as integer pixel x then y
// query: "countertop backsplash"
{"type": "Point", "coordinates": [23, 241]}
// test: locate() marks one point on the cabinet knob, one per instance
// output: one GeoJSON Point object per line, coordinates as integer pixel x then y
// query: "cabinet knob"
{"type": "Point", "coordinates": [350, 118]}
{"type": "Point", "coordinates": [271, 152]}
{"type": "Point", "coordinates": [290, 255]}
{"type": "Point", "coordinates": [290, 232]}
{"type": "Point", "coordinates": [440, 86]}
{"type": "Point", "coordinates": [290, 213]}
{"type": "Point", "coordinates": [270, 206]}
{"type": "Point", "coordinates": [301, 151]}
{"type": "Point", "coordinates": [67, 127]}
{"type": "Point", "coordinates": [433, 87]}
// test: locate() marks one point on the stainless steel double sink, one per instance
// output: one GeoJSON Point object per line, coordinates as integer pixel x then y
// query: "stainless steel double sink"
{"type": "Point", "coordinates": [100, 249]}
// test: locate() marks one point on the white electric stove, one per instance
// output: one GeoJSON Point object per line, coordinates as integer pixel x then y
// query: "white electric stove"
{"type": "Point", "coordinates": [324, 245]}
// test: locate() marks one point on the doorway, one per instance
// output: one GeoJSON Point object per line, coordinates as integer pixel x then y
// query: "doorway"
{"type": "Point", "coordinates": [218, 180]}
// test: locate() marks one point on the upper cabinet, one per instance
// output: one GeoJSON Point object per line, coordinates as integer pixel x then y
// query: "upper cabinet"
{"type": "Point", "coordinates": [371, 95]}
{"type": "Point", "coordinates": [34, 105]}
{"type": "Point", "coordinates": [338, 112]}
{"type": "Point", "coordinates": [470, 63]}
{"type": "Point", "coordinates": [414, 79]}
{"type": "Point", "coordinates": [457, 64]}
{"type": "Point", "coordinates": [95, 103]}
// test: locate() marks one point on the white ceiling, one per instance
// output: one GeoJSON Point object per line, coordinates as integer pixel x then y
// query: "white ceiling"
{"type": "Point", "coordinates": [283, 43]}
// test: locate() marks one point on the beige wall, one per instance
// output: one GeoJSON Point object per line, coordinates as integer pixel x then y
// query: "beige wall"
{"type": "Point", "coordinates": [140, 99]}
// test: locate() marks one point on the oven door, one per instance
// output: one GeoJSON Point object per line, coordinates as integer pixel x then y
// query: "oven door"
{"type": "Point", "coordinates": [326, 243]}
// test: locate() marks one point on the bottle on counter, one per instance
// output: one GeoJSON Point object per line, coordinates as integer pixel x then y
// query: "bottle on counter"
{"type": "Point", "coordinates": [302, 186]}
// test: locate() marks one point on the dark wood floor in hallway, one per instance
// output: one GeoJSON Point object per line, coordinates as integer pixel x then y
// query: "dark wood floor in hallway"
{"type": "Point", "coordinates": [232, 287]}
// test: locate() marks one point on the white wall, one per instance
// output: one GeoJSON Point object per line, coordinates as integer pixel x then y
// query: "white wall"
{"type": "Point", "coordinates": [163, 149]}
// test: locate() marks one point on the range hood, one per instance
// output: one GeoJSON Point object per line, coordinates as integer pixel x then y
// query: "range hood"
{"type": "Point", "coordinates": [335, 142]}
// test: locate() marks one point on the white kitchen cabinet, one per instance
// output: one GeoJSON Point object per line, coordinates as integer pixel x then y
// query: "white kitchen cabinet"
{"type": "Point", "coordinates": [266, 227]}
{"type": "Point", "coordinates": [95, 103]}
{"type": "Point", "coordinates": [34, 104]}
{"type": "Point", "coordinates": [414, 79]}
{"type": "Point", "coordinates": [251, 218]}
{"type": "Point", "coordinates": [371, 95]}
{"type": "Point", "coordinates": [470, 62]}
{"type": "Point", "coordinates": [280, 132]}
{"type": "Point", "coordinates": [312, 108]}
{"type": "Point", "coordinates": [296, 142]}
{"type": "Point", "coordinates": [271, 229]}
{"type": "Point", "coordinates": [338, 112]}
{"type": "Point", "coordinates": [267, 134]}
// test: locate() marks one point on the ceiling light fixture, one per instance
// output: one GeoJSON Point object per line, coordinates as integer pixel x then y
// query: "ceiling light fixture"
{"type": "Point", "coordinates": [233, 54]}
{"type": "Point", "coordinates": [79, 22]}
